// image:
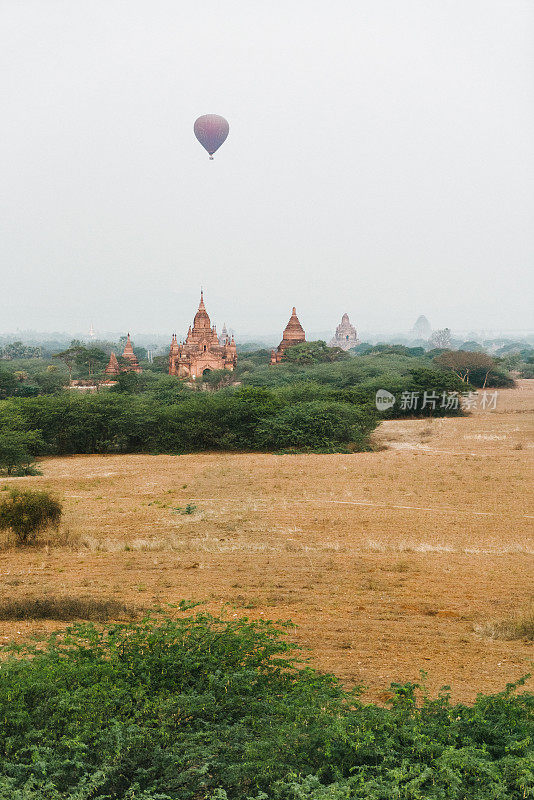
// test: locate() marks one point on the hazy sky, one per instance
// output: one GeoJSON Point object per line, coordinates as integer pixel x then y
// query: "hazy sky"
{"type": "Point", "coordinates": [380, 161]}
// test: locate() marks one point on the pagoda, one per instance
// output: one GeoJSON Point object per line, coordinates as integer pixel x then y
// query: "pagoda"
{"type": "Point", "coordinates": [422, 328]}
{"type": "Point", "coordinates": [293, 334]}
{"type": "Point", "coordinates": [346, 335]}
{"type": "Point", "coordinates": [129, 364]}
{"type": "Point", "coordinates": [224, 338]}
{"type": "Point", "coordinates": [129, 355]}
{"type": "Point", "coordinates": [202, 350]}
{"type": "Point", "coordinates": [113, 367]}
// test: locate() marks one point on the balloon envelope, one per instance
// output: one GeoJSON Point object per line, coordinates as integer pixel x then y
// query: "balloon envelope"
{"type": "Point", "coordinates": [211, 131]}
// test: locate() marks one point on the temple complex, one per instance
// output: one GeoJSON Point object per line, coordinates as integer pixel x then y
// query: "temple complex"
{"type": "Point", "coordinates": [293, 334]}
{"type": "Point", "coordinates": [345, 336]}
{"type": "Point", "coordinates": [202, 350]}
{"type": "Point", "coordinates": [130, 362]}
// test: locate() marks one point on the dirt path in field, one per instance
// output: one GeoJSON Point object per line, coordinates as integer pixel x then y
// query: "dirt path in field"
{"type": "Point", "coordinates": [387, 561]}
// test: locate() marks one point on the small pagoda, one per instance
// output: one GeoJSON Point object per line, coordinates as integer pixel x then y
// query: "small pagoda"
{"type": "Point", "coordinates": [113, 367]}
{"type": "Point", "coordinates": [293, 334]}
{"type": "Point", "coordinates": [130, 362]}
{"type": "Point", "coordinates": [129, 355]}
{"type": "Point", "coordinates": [224, 338]}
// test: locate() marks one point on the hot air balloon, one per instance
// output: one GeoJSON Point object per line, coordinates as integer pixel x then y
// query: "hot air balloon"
{"type": "Point", "coordinates": [211, 131]}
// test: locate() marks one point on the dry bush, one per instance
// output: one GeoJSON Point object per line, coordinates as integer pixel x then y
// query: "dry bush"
{"type": "Point", "coordinates": [426, 433]}
{"type": "Point", "coordinates": [399, 566]}
{"type": "Point", "coordinates": [65, 609]}
{"type": "Point", "coordinates": [64, 537]}
{"type": "Point", "coordinates": [27, 513]}
{"type": "Point", "coordinates": [520, 626]}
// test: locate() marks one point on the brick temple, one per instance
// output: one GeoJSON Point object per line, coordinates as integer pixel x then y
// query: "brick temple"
{"type": "Point", "coordinates": [202, 350]}
{"type": "Point", "coordinates": [129, 364]}
{"type": "Point", "coordinates": [293, 334]}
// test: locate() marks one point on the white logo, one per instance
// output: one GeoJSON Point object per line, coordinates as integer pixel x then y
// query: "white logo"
{"type": "Point", "coordinates": [384, 399]}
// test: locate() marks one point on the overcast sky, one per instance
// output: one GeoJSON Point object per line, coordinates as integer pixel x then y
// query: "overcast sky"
{"type": "Point", "coordinates": [380, 161]}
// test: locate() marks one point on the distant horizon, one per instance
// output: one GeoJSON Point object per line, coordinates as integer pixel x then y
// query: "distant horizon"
{"type": "Point", "coordinates": [244, 337]}
{"type": "Point", "coordinates": [261, 335]}
{"type": "Point", "coordinates": [250, 334]}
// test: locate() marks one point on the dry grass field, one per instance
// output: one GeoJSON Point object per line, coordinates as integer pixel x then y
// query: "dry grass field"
{"type": "Point", "coordinates": [389, 562]}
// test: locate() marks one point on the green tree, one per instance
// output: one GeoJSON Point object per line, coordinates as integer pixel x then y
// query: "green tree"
{"type": "Point", "coordinates": [160, 364]}
{"type": "Point", "coordinates": [70, 355]}
{"type": "Point", "coordinates": [8, 383]}
{"type": "Point", "coordinates": [317, 426]}
{"type": "Point", "coordinates": [20, 350]}
{"type": "Point", "coordinates": [203, 707]}
{"type": "Point", "coordinates": [28, 513]}
{"type": "Point", "coordinates": [141, 353]}
{"type": "Point", "coordinates": [464, 362]}
{"type": "Point", "coordinates": [50, 381]}
{"type": "Point", "coordinates": [90, 360]}
{"type": "Point", "coordinates": [472, 346]}
{"type": "Point", "coordinates": [128, 382]}
{"type": "Point", "coordinates": [396, 349]}
{"type": "Point", "coordinates": [361, 349]}
{"type": "Point", "coordinates": [17, 449]}
{"type": "Point", "coordinates": [217, 378]}
{"type": "Point", "coordinates": [314, 353]}
{"type": "Point", "coordinates": [131, 382]}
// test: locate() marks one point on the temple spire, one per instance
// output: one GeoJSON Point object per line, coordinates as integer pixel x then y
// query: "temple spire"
{"type": "Point", "coordinates": [113, 367]}
{"type": "Point", "coordinates": [293, 334]}
{"type": "Point", "coordinates": [129, 354]}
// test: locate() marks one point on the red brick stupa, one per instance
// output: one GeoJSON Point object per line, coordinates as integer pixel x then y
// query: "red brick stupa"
{"type": "Point", "coordinates": [130, 363]}
{"type": "Point", "coordinates": [113, 367]}
{"type": "Point", "coordinates": [293, 334]}
{"type": "Point", "coordinates": [130, 356]}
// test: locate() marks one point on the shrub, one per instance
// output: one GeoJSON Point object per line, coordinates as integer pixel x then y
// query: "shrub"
{"type": "Point", "coordinates": [313, 353]}
{"type": "Point", "coordinates": [28, 513]}
{"type": "Point", "coordinates": [65, 609]}
{"type": "Point", "coordinates": [163, 414]}
{"type": "Point", "coordinates": [316, 426]}
{"type": "Point", "coordinates": [17, 449]}
{"type": "Point", "coordinates": [190, 508]}
{"type": "Point", "coordinates": [205, 708]}
{"type": "Point", "coordinates": [25, 470]}
{"type": "Point", "coordinates": [520, 626]}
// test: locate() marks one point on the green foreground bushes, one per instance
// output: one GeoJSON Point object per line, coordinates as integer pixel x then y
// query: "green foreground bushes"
{"type": "Point", "coordinates": [323, 408]}
{"type": "Point", "coordinates": [319, 407]}
{"type": "Point", "coordinates": [204, 708]}
{"type": "Point", "coordinates": [243, 419]}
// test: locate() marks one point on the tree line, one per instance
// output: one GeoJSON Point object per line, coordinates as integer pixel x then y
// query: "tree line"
{"type": "Point", "coordinates": [321, 407]}
{"type": "Point", "coordinates": [247, 418]}
{"type": "Point", "coordinates": [319, 400]}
